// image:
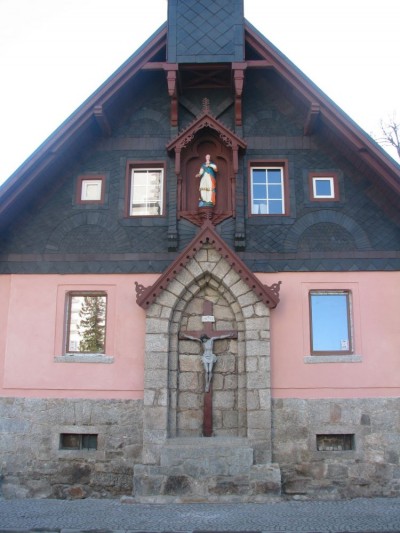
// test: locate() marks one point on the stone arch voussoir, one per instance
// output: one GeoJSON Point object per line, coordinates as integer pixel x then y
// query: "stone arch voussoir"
{"type": "Point", "coordinates": [207, 267]}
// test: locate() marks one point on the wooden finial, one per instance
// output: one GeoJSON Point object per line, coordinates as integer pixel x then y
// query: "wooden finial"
{"type": "Point", "coordinates": [206, 105]}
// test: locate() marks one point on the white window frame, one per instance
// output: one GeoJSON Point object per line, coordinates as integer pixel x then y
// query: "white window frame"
{"type": "Point", "coordinates": [330, 179]}
{"type": "Point", "coordinates": [146, 211]}
{"type": "Point", "coordinates": [86, 184]}
{"type": "Point", "coordinates": [267, 199]}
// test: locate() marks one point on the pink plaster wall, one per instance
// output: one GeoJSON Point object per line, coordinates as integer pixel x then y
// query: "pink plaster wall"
{"type": "Point", "coordinates": [376, 329]}
{"type": "Point", "coordinates": [32, 329]}
{"type": "Point", "coordinates": [32, 311]}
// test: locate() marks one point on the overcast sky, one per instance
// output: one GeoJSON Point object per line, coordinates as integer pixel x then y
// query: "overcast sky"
{"type": "Point", "coordinates": [55, 53]}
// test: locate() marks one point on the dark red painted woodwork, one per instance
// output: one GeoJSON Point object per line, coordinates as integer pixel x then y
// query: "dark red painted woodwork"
{"type": "Point", "coordinates": [145, 296]}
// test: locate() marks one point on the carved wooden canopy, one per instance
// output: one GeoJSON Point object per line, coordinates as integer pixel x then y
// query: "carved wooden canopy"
{"type": "Point", "coordinates": [203, 121]}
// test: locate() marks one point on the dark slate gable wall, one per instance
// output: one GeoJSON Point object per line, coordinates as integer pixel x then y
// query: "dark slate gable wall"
{"type": "Point", "coordinates": [56, 235]}
{"type": "Point", "coordinates": [344, 235]}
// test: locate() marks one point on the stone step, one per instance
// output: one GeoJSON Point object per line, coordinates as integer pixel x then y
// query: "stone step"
{"type": "Point", "coordinates": [206, 457]}
{"type": "Point", "coordinates": [206, 469]}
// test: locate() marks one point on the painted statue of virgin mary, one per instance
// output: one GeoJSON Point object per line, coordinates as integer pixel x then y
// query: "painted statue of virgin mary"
{"type": "Point", "coordinates": [208, 183]}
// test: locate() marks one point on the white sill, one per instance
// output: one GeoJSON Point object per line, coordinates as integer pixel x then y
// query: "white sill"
{"type": "Point", "coordinates": [310, 359]}
{"type": "Point", "coordinates": [84, 358]}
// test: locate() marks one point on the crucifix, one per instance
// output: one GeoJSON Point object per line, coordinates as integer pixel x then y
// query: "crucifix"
{"type": "Point", "coordinates": [206, 337]}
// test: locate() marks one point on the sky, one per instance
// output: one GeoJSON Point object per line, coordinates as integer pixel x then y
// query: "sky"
{"type": "Point", "coordinates": [55, 53]}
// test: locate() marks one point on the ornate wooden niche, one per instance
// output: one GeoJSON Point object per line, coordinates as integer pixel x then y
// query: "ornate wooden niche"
{"type": "Point", "coordinates": [206, 135]}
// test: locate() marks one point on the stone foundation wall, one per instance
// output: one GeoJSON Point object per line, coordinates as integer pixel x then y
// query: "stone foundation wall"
{"type": "Point", "coordinates": [370, 469]}
{"type": "Point", "coordinates": [33, 465]}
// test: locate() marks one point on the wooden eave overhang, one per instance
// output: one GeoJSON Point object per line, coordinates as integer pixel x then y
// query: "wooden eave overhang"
{"type": "Point", "coordinates": [321, 107]}
{"type": "Point", "coordinates": [94, 109]}
{"type": "Point", "coordinates": [207, 235]}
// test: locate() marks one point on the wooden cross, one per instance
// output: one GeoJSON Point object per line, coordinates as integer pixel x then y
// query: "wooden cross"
{"type": "Point", "coordinates": [204, 336]}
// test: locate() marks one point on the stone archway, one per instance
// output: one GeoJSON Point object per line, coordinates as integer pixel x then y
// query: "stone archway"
{"type": "Point", "coordinates": [186, 374]}
{"type": "Point", "coordinates": [171, 458]}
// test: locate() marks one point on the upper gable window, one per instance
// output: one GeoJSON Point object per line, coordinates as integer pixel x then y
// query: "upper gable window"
{"type": "Point", "coordinates": [323, 186]}
{"type": "Point", "coordinates": [268, 189]}
{"type": "Point", "coordinates": [90, 189]}
{"type": "Point", "coordinates": [146, 191]}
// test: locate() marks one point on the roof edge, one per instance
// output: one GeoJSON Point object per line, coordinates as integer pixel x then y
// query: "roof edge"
{"type": "Point", "coordinates": [368, 149]}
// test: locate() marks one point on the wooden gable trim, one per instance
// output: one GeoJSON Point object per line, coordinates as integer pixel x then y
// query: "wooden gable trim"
{"type": "Point", "coordinates": [93, 109]}
{"type": "Point", "coordinates": [145, 296]}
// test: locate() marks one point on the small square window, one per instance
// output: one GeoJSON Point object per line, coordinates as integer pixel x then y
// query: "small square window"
{"type": "Point", "coordinates": [323, 187]}
{"type": "Point", "coordinates": [86, 323]}
{"type": "Point", "coordinates": [331, 331]}
{"type": "Point", "coordinates": [90, 189]}
{"type": "Point", "coordinates": [268, 190]}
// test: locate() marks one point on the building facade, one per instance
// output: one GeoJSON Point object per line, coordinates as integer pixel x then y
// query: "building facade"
{"type": "Point", "coordinates": [176, 333]}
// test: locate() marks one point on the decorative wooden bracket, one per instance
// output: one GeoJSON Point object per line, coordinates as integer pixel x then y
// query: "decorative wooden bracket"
{"type": "Point", "coordinates": [102, 120]}
{"type": "Point", "coordinates": [312, 119]}
{"type": "Point", "coordinates": [238, 78]}
{"type": "Point", "coordinates": [172, 78]}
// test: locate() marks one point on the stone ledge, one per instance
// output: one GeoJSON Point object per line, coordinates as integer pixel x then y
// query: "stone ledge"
{"type": "Point", "coordinates": [87, 358]}
{"type": "Point", "coordinates": [206, 441]}
{"type": "Point", "coordinates": [310, 359]}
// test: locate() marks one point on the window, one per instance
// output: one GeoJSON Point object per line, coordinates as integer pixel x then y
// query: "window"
{"type": "Point", "coordinates": [324, 186]}
{"type": "Point", "coordinates": [86, 322]}
{"type": "Point", "coordinates": [330, 322]}
{"type": "Point", "coordinates": [90, 189]}
{"type": "Point", "coordinates": [268, 189]}
{"type": "Point", "coordinates": [146, 192]}
{"type": "Point", "coordinates": [335, 443]}
{"type": "Point", "coordinates": [78, 441]}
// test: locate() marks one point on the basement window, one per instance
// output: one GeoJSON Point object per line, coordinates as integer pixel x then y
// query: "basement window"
{"type": "Point", "coordinates": [335, 443]}
{"type": "Point", "coordinates": [78, 441]}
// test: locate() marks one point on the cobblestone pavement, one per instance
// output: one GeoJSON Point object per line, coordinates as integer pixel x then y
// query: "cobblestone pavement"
{"type": "Point", "coordinates": [65, 516]}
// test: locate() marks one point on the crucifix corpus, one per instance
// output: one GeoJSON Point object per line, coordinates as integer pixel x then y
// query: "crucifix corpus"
{"type": "Point", "coordinates": [206, 337]}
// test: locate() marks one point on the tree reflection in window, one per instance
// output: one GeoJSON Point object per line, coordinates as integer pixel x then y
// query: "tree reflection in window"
{"type": "Point", "coordinates": [86, 328]}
